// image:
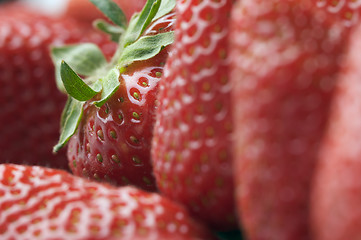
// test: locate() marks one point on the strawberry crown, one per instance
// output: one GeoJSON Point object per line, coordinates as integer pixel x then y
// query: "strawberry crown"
{"type": "Point", "coordinates": [88, 60]}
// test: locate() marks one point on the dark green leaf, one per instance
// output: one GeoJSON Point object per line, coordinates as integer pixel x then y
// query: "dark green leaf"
{"type": "Point", "coordinates": [74, 85]}
{"type": "Point", "coordinates": [110, 84]}
{"type": "Point", "coordinates": [114, 31]}
{"type": "Point", "coordinates": [146, 47]}
{"type": "Point", "coordinates": [112, 11]}
{"type": "Point", "coordinates": [70, 120]}
{"type": "Point", "coordinates": [166, 6]}
{"type": "Point", "coordinates": [141, 21]}
{"type": "Point", "coordinates": [85, 59]}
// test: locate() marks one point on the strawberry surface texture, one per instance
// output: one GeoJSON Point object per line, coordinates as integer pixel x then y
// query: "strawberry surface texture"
{"type": "Point", "coordinates": [181, 119]}
{"type": "Point", "coordinates": [285, 60]}
{"type": "Point", "coordinates": [337, 192]}
{"type": "Point", "coordinates": [345, 11]}
{"type": "Point", "coordinates": [44, 203]}
{"type": "Point", "coordinates": [192, 136]}
{"type": "Point", "coordinates": [30, 102]}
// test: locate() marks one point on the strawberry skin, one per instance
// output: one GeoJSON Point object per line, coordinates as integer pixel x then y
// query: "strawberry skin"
{"type": "Point", "coordinates": [43, 203]}
{"type": "Point", "coordinates": [191, 146]}
{"type": "Point", "coordinates": [113, 142]}
{"type": "Point", "coordinates": [337, 189]}
{"type": "Point", "coordinates": [345, 11]}
{"type": "Point", "coordinates": [284, 64]}
{"type": "Point", "coordinates": [31, 103]}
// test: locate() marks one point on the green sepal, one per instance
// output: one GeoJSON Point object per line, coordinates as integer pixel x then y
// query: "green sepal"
{"type": "Point", "coordinates": [112, 11]}
{"type": "Point", "coordinates": [74, 85]}
{"type": "Point", "coordinates": [113, 31]}
{"type": "Point", "coordinates": [84, 58]}
{"type": "Point", "coordinates": [145, 48]}
{"type": "Point", "coordinates": [110, 85]}
{"type": "Point", "coordinates": [69, 123]}
{"type": "Point", "coordinates": [140, 22]}
{"type": "Point", "coordinates": [166, 6]}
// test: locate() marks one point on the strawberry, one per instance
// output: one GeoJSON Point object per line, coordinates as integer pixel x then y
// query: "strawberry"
{"type": "Point", "coordinates": [284, 63]}
{"type": "Point", "coordinates": [30, 103]}
{"type": "Point", "coordinates": [43, 203]}
{"type": "Point", "coordinates": [110, 128]}
{"type": "Point", "coordinates": [192, 136]}
{"type": "Point", "coordinates": [337, 190]}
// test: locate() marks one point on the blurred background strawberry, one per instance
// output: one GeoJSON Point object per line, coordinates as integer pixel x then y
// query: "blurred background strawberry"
{"type": "Point", "coordinates": [30, 102]}
{"type": "Point", "coordinates": [76, 9]}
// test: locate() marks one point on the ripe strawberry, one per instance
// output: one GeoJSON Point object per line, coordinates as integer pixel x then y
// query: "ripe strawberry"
{"type": "Point", "coordinates": [42, 203]}
{"type": "Point", "coordinates": [337, 190]}
{"type": "Point", "coordinates": [284, 64]}
{"type": "Point", "coordinates": [30, 103]}
{"type": "Point", "coordinates": [192, 138]}
{"type": "Point", "coordinates": [113, 126]}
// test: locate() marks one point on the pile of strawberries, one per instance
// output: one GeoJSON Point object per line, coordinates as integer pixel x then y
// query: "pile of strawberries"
{"type": "Point", "coordinates": [180, 120]}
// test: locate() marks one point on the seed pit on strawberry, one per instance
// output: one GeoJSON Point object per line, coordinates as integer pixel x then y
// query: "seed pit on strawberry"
{"type": "Point", "coordinates": [97, 177]}
{"type": "Point", "coordinates": [143, 82]}
{"type": "Point", "coordinates": [156, 73]}
{"type": "Point", "coordinates": [113, 134]}
{"type": "Point", "coordinates": [135, 93]}
{"type": "Point", "coordinates": [115, 158]}
{"type": "Point", "coordinates": [99, 158]}
{"type": "Point", "coordinates": [100, 134]}
{"type": "Point", "coordinates": [137, 161]}
{"type": "Point", "coordinates": [103, 112]}
{"type": "Point", "coordinates": [136, 116]}
{"type": "Point", "coordinates": [118, 118]}
{"type": "Point", "coordinates": [134, 140]}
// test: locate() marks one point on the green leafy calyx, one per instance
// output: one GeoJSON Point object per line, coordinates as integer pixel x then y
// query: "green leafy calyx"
{"type": "Point", "coordinates": [70, 120]}
{"type": "Point", "coordinates": [82, 70]}
{"type": "Point", "coordinates": [112, 11]}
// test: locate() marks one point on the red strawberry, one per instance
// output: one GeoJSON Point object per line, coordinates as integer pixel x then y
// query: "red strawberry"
{"type": "Point", "coordinates": [113, 138]}
{"type": "Point", "coordinates": [30, 103]}
{"type": "Point", "coordinates": [337, 189]}
{"type": "Point", "coordinates": [284, 64]}
{"type": "Point", "coordinates": [192, 139]}
{"type": "Point", "coordinates": [41, 203]}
